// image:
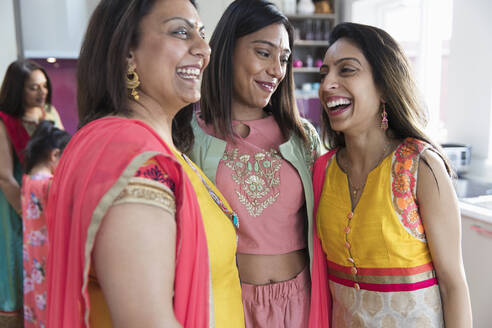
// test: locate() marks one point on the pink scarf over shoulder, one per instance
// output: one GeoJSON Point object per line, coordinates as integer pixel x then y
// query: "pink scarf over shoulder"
{"type": "Point", "coordinates": [96, 160]}
{"type": "Point", "coordinates": [320, 313]}
{"type": "Point", "coordinates": [17, 134]}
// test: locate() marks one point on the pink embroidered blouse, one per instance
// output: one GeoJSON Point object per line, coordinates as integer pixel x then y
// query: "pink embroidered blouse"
{"type": "Point", "coordinates": [264, 190]}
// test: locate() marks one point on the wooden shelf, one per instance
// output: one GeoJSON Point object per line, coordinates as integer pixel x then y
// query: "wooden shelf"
{"type": "Point", "coordinates": [306, 69]}
{"type": "Point", "coordinates": [312, 16]}
{"type": "Point", "coordinates": [311, 43]}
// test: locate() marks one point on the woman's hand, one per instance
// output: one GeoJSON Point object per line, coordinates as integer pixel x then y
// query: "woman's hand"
{"type": "Point", "coordinates": [440, 214]}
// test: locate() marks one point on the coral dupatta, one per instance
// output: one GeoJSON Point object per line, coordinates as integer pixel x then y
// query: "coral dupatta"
{"type": "Point", "coordinates": [320, 313]}
{"type": "Point", "coordinates": [17, 134]}
{"type": "Point", "coordinates": [94, 168]}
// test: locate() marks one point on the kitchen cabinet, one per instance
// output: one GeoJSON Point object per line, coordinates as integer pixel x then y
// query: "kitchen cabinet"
{"type": "Point", "coordinates": [477, 248]}
{"type": "Point", "coordinates": [311, 33]}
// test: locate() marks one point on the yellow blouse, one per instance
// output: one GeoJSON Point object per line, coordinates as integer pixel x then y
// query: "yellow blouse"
{"type": "Point", "coordinates": [222, 244]}
{"type": "Point", "coordinates": [377, 255]}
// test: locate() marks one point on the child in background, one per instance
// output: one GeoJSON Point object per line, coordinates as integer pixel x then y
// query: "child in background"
{"type": "Point", "coordinates": [42, 154]}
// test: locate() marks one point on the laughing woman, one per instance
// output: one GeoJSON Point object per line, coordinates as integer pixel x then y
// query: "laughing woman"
{"type": "Point", "coordinates": [134, 227]}
{"type": "Point", "coordinates": [387, 250]}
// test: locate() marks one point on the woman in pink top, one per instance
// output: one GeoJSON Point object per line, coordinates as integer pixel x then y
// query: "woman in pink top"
{"type": "Point", "coordinates": [42, 154]}
{"type": "Point", "coordinates": [251, 141]}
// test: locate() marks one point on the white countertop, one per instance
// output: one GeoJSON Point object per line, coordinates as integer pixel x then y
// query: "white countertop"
{"type": "Point", "coordinates": [470, 207]}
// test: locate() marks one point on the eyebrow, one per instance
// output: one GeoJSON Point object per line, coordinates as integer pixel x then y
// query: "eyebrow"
{"type": "Point", "coordinates": [338, 61]}
{"type": "Point", "coordinates": [188, 22]}
{"type": "Point", "coordinates": [271, 44]}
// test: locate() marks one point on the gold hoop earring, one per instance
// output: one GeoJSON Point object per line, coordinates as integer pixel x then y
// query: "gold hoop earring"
{"type": "Point", "coordinates": [384, 118]}
{"type": "Point", "coordinates": [132, 81]}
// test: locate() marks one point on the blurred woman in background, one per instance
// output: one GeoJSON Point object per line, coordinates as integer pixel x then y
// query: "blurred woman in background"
{"type": "Point", "coordinates": [25, 100]}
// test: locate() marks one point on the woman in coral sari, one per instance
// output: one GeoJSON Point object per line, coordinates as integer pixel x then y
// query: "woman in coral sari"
{"type": "Point", "coordinates": [130, 244]}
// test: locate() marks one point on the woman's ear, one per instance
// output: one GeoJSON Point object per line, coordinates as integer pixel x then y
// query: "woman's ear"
{"type": "Point", "coordinates": [55, 155]}
{"type": "Point", "coordinates": [130, 59]}
{"type": "Point", "coordinates": [54, 158]}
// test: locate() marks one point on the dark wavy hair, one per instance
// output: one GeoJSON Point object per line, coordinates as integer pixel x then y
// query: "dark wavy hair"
{"type": "Point", "coordinates": [392, 75]}
{"type": "Point", "coordinates": [102, 67]}
{"type": "Point", "coordinates": [12, 90]}
{"type": "Point", "coordinates": [45, 138]}
{"type": "Point", "coordinates": [241, 18]}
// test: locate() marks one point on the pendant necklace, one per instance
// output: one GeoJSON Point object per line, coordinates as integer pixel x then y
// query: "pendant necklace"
{"type": "Point", "coordinates": [353, 189]}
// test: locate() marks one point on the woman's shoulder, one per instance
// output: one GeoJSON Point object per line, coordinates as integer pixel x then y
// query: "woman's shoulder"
{"type": "Point", "coordinates": [411, 147]}
{"type": "Point", "coordinates": [324, 159]}
{"type": "Point", "coordinates": [114, 137]}
{"type": "Point", "coordinates": [118, 128]}
{"type": "Point", "coordinates": [313, 147]}
{"type": "Point", "coordinates": [308, 126]}
{"type": "Point", "coordinates": [205, 137]}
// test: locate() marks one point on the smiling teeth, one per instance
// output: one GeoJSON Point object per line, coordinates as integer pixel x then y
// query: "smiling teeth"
{"type": "Point", "coordinates": [338, 102]}
{"type": "Point", "coordinates": [188, 73]}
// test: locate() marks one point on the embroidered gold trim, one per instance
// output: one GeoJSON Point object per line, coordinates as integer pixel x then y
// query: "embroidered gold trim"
{"type": "Point", "coordinates": [145, 191]}
{"type": "Point", "coordinates": [257, 176]}
{"type": "Point", "coordinates": [101, 209]}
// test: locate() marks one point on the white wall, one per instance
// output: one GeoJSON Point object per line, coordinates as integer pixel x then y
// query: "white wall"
{"type": "Point", "coordinates": [210, 12]}
{"type": "Point", "coordinates": [468, 118]}
{"type": "Point", "coordinates": [53, 28]}
{"type": "Point", "coordinates": [8, 52]}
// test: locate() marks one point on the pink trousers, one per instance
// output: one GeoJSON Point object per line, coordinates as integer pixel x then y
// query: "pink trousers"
{"type": "Point", "coordinates": [278, 305]}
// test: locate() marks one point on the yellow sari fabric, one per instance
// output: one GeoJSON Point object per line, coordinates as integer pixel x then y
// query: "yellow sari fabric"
{"type": "Point", "coordinates": [222, 244]}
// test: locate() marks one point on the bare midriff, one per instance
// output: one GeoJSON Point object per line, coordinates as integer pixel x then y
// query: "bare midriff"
{"type": "Point", "coordinates": [257, 269]}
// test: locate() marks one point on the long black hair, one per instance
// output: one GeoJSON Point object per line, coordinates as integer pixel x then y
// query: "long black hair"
{"type": "Point", "coordinates": [392, 75]}
{"type": "Point", "coordinates": [241, 18]}
{"type": "Point", "coordinates": [45, 138]}
{"type": "Point", "coordinates": [12, 90]}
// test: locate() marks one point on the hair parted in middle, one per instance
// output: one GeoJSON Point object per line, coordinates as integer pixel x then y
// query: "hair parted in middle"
{"type": "Point", "coordinates": [406, 111]}
{"type": "Point", "coordinates": [12, 92]}
{"type": "Point", "coordinates": [113, 30]}
{"type": "Point", "coordinates": [243, 17]}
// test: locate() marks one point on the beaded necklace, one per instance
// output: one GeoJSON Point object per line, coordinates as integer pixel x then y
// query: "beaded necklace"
{"type": "Point", "coordinates": [229, 213]}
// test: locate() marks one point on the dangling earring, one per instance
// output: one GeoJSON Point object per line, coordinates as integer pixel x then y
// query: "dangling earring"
{"type": "Point", "coordinates": [384, 119]}
{"type": "Point", "coordinates": [132, 81]}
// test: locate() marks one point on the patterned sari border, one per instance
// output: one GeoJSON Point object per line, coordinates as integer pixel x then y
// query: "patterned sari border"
{"type": "Point", "coordinates": [382, 271]}
{"type": "Point", "coordinates": [410, 279]}
{"type": "Point", "coordinates": [99, 212]}
{"type": "Point", "coordinates": [385, 287]}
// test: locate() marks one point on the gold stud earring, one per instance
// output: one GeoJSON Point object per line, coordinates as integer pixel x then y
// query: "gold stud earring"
{"type": "Point", "coordinates": [132, 81]}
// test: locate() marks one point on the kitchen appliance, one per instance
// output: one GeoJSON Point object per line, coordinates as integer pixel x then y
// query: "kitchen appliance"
{"type": "Point", "coordinates": [459, 156]}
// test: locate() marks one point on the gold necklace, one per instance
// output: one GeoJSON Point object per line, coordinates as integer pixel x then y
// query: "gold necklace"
{"type": "Point", "coordinates": [347, 167]}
